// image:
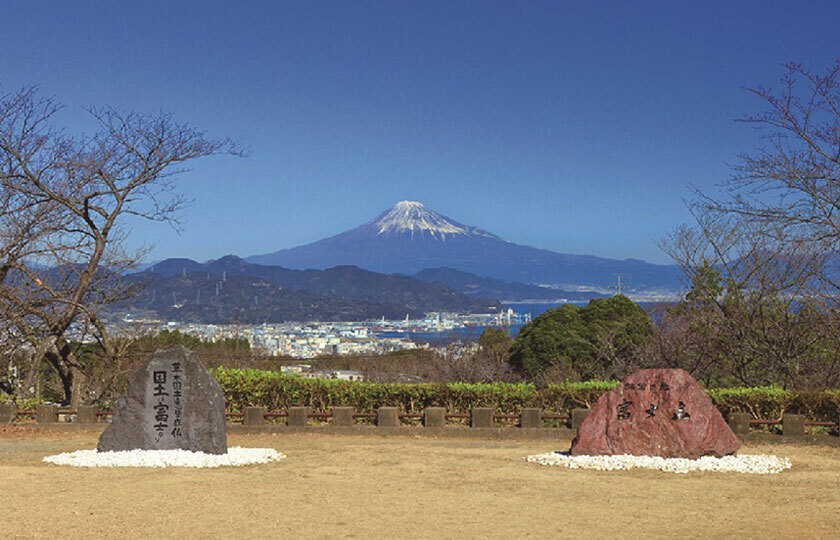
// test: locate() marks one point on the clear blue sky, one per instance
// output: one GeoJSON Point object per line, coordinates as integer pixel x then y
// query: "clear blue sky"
{"type": "Point", "coordinates": [573, 126]}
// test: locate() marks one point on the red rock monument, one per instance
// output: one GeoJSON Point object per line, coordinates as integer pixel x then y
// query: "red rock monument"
{"type": "Point", "coordinates": [656, 412]}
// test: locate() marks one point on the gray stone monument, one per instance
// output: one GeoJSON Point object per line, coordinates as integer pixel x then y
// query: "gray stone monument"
{"type": "Point", "coordinates": [172, 402]}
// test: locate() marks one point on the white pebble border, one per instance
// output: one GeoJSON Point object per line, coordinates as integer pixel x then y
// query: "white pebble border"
{"type": "Point", "coordinates": [746, 463]}
{"type": "Point", "coordinates": [236, 456]}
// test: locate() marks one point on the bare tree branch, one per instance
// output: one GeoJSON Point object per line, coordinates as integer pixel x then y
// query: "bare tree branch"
{"type": "Point", "coordinates": [65, 201]}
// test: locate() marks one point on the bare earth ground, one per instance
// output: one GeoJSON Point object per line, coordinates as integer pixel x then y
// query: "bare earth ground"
{"type": "Point", "coordinates": [380, 487]}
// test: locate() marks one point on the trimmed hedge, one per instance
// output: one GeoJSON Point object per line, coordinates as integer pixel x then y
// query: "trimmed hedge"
{"type": "Point", "coordinates": [772, 402]}
{"type": "Point", "coordinates": [275, 391]}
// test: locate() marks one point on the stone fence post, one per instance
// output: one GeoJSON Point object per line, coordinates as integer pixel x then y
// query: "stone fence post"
{"type": "Point", "coordinates": [530, 418]}
{"type": "Point", "coordinates": [86, 414]}
{"type": "Point", "coordinates": [388, 417]}
{"type": "Point", "coordinates": [7, 413]}
{"type": "Point", "coordinates": [578, 416]}
{"type": "Point", "coordinates": [481, 417]}
{"type": "Point", "coordinates": [298, 416]}
{"type": "Point", "coordinates": [793, 425]}
{"type": "Point", "coordinates": [434, 417]}
{"type": "Point", "coordinates": [739, 423]}
{"type": "Point", "coordinates": [254, 416]}
{"type": "Point", "coordinates": [343, 416]}
{"type": "Point", "coordinates": [46, 414]}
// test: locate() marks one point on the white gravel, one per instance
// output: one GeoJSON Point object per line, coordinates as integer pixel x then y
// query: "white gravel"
{"type": "Point", "coordinates": [745, 463]}
{"type": "Point", "coordinates": [236, 456]}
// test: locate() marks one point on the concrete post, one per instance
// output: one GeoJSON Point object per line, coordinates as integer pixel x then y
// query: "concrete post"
{"type": "Point", "coordinates": [86, 414]}
{"type": "Point", "coordinates": [530, 418]}
{"type": "Point", "coordinates": [434, 417]}
{"type": "Point", "coordinates": [343, 416]}
{"type": "Point", "coordinates": [578, 416]}
{"type": "Point", "coordinates": [481, 417]}
{"type": "Point", "coordinates": [254, 416]}
{"type": "Point", "coordinates": [7, 413]}
{"type": "Point", "coordinates": [739, 423]}
{"type": "Point", "coordinates": [46, 414]}
{"type": "Point", "coordinates": [388, 417]}
{"type": "Point", "coordinates": [298, 416]}
{"type": "Point", "coordinates": [793, 425]}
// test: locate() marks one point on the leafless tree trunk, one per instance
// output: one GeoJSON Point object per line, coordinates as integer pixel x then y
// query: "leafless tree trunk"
{"type": "Point", "coordinates": [62, 226]}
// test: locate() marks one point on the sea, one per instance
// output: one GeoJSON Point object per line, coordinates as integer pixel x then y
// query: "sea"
{"type": "Point", "coordinates": [472, 333]}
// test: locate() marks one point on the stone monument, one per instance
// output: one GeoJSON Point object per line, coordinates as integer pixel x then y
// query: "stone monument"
{"type": "Point", "coordinates": [172, 402]}
{"type": "Point", "coordinates": [656, 412]}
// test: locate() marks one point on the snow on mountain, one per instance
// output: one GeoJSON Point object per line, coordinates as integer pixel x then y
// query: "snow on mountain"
{"type": "Point", "coordinates": [408, 237]}
{"type": "Point", "coordinates": [414, 217]}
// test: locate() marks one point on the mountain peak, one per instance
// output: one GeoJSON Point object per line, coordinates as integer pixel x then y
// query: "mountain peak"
{"type": "Point", "coordinates": [415, 218]}
{"type": "Point", "coordinates": [409, 237]}
{"type": "Point", "coordinates": [409, 204]}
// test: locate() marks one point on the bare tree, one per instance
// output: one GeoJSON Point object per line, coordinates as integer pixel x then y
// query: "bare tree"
{"type": "Point", "coordinates": [787, 191]}
{"type": "Point", "coordinates": [750, 316]}
{"type": "Point", "coordinates": [63, 224]}
{"type": "Point", "coordinates": [471, 362]}
{"type": "Point", "coordinates": [762, 258]}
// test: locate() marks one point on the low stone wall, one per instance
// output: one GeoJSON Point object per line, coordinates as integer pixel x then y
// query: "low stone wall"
{"type": "Point", "coordinates": [454, 432]}
{"type": "Point", "coordinates": [481, 422]}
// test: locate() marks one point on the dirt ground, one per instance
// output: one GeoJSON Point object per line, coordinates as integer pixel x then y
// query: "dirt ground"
{"type": "Point", "coordinates": [395, 487]}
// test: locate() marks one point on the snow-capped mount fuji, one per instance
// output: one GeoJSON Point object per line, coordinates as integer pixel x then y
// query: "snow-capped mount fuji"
{"type": "Point", "coordinates": [410, 237]}
{"type": "Point", "coordinates": [414, 218]}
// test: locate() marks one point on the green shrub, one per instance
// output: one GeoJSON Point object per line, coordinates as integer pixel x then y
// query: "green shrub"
{"type": "Point", "coordinates": [20, 403]}
{"type": "Point", "coordinates": [569, 336]}
{"type": "Point", "coordinates": [771, 402]}
{"type": "Point", "coordinates": [276, 391]}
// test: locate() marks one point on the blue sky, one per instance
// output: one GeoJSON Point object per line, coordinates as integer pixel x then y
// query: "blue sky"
{"type": "Point", "coordinates": [572, 126]}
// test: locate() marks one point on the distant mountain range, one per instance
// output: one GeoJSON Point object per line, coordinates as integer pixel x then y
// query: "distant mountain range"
{"type": "Point", "coordinates": [231, 289]}
{"type": "Point", "coordinates": [410, 237]}
{"type": "Point", "coordinates": [199, 297]}
{"type": "Point", "coordinates": [409, 260]}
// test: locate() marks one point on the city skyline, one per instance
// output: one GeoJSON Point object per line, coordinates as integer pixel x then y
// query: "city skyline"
{"type": "Point", "coordinates": [574, 128]}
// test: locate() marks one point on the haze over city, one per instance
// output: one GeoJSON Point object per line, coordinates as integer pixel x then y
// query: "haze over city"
{"type": "Point", "coordinates": [573, 127]}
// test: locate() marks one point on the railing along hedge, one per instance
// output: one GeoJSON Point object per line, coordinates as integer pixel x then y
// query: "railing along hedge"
{"type": "Point", "coordinates": [275, 391]}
